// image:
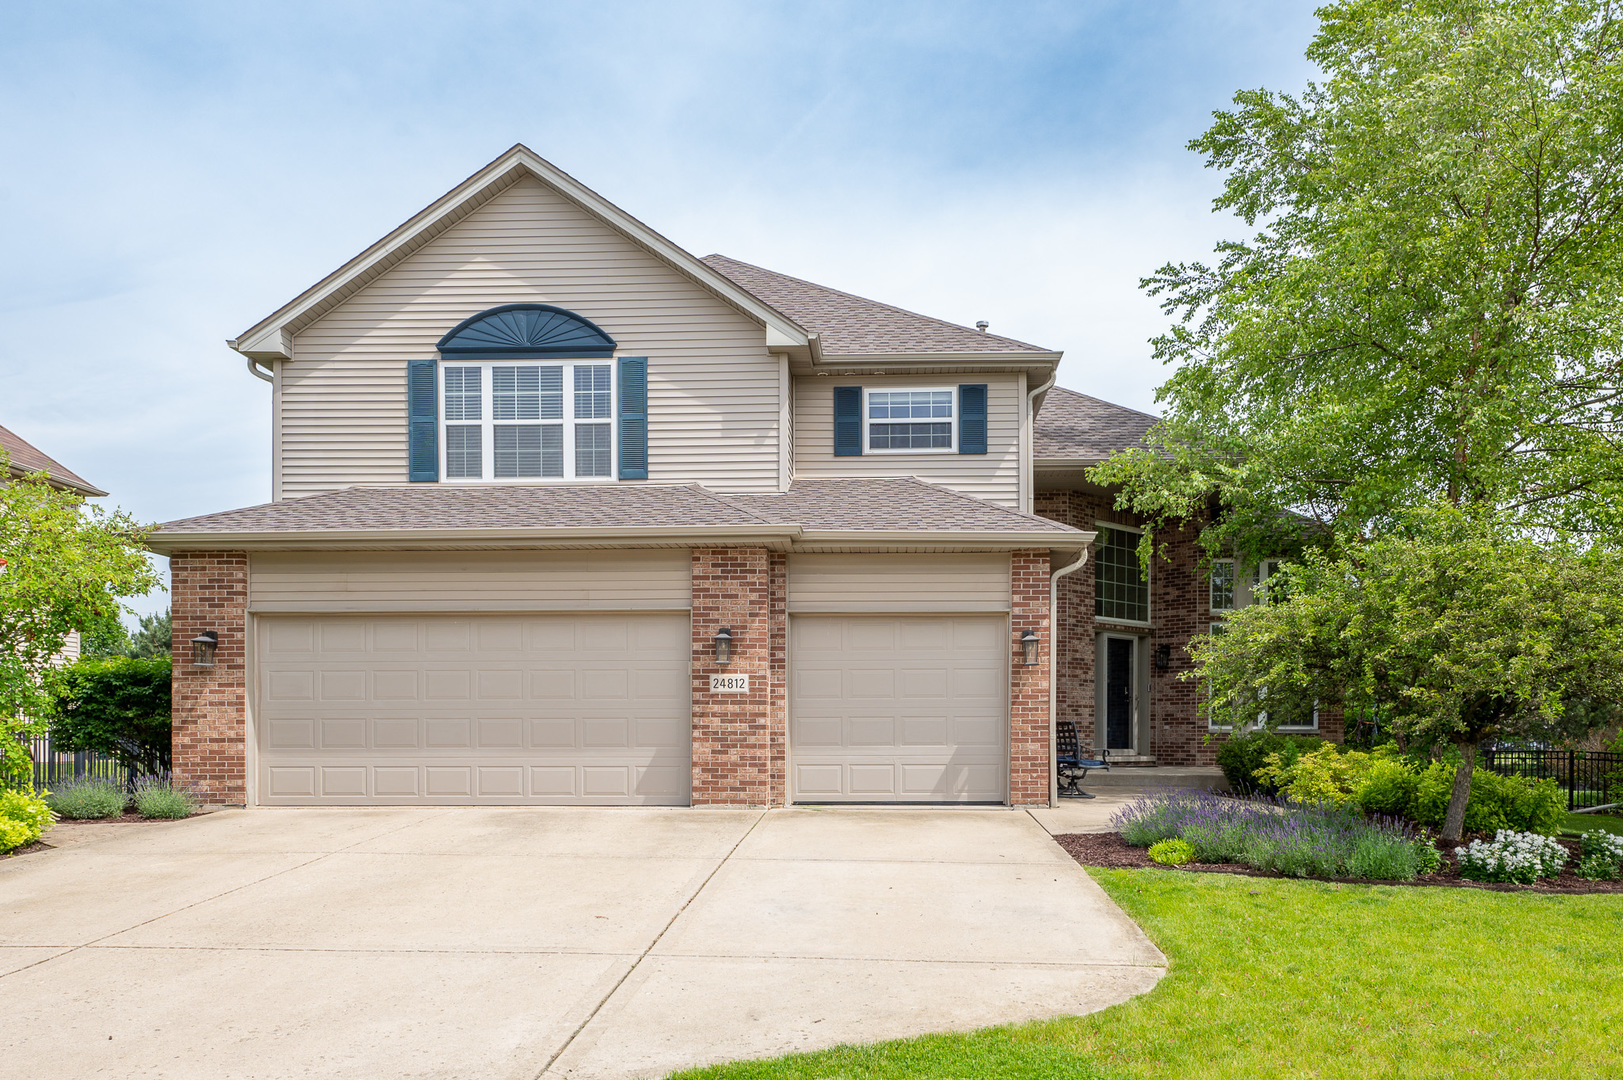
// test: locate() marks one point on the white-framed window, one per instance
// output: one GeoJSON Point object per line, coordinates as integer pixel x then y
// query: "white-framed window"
{"type": "Point", "coordinates": [1222, 576]}
{"type": "Point", "coordinates": [527, 420]}
{"type": "Point", "coordinates": [910, 421]}
{"type": "Point", "coordinates": [1121, 589]}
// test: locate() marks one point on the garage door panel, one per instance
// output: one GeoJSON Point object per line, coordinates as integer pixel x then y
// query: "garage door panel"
{"type": "Point", "coordinates": [456, 709]}
{"type": "Point", "coordinates": [343, 733]}
{"type": "Point", "coordinates": [898, 708]}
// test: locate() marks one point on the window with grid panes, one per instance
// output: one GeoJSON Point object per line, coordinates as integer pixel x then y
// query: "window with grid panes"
{"type": "Point", "coordinates": [910, 419]}
{"type": "Point", "coordinates": [1120, 590]}
{"type": "Point", "coordinates": [528, 421]}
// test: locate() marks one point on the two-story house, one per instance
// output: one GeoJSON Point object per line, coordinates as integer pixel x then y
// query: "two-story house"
{"type": "Point", "coordinates": [562, 513]}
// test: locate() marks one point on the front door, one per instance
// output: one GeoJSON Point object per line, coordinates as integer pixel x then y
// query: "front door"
{"type": "Point", "coordinates": [1120, 654]}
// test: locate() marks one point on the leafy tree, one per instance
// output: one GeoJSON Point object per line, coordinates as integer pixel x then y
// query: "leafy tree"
{"type": "Point", "coordinates": [65, 566]}
{"type": "Point", "coordinates": [119, 706]}
{"type": "Point", "coordinates": [1431, 306]}
{"type": "Point", "coordinates": [104, 635]}
{"type": "Point", "coordinates": [1453, 630]}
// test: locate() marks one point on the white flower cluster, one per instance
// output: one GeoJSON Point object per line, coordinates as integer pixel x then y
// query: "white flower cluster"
{"type": "Point", "coordinates": [1512, 856]}
{"type": "Point", "coordinates": [1604, 844]}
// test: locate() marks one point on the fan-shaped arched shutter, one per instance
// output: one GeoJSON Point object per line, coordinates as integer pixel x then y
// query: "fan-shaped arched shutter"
{"type": "Point", "coordinates": [524, 332]}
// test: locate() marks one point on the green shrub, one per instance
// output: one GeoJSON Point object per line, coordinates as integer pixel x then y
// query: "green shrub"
{"type": "Point", "coordinates": [23, 817]}
{"type": "Point", "coordinates": [1388, 788]}
{"type": "Point", "coordinates": [1240, 756]}
{"type": "Point", "coordinates": [92, 797]}
{"type": "Point", "coordinates": [160, 799]}
{"type": "Point", "coordinates": [1172, 852]}
{"type": "Point", "coordinates": [119, 706]}
{"type": "Point", "coordinates": [1497, 802]}
{"type": "Point", "coordinates": [1428, 858]}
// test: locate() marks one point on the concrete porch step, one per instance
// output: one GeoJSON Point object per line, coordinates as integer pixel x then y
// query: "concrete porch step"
{"type": "Point", "coordinates": [1132, 778]}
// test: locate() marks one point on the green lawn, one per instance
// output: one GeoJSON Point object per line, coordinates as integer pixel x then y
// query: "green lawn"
{"type": "Point", "coordinates": [1275, 978]}
{"type": "Point", "coordinates": [1582, 823]}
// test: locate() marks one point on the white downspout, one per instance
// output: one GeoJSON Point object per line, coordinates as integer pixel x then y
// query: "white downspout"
{"type": "Point", "coordinates": [1028, 472]}
{"type": "Point", "coordinates": [254, 370]}
{"type": "Point", "coordinates": [1053, 668]}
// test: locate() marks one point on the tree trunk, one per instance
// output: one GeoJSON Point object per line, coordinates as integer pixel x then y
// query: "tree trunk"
{"type": "Point", "coordinates": [1454, 823]}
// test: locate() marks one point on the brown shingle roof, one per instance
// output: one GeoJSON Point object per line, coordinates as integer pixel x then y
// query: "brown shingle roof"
{"type": "Point", "coordinates": [886, 503]}
{"type": "Point", "coordinates": [1073, 425]}
{"type": "Point", "coordinates": [878, 504]}
{"type": "Point", "coordinates": [27, 458]}
{"type": "Point", "coordinates": [854, 326]}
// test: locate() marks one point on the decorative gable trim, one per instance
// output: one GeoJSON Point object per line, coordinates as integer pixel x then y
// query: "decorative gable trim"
{"type": "Point", "coordinates": [525, 332]}
{"type": "Point", "coordinates": [270, 338]}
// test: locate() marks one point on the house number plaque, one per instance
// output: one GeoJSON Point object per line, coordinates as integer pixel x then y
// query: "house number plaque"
{"type": "Point", "coordinates": [729, 684]}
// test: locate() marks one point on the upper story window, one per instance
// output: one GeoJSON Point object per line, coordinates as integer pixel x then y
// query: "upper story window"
{"type": "Point", "coordinates": [1121, 592]}
{"type": "Point", "coordinates": [1235, 587]}
{"type": "Point", "coordinates": [911, 420]}
{"type": "Point", "coordinates": [527, 421]}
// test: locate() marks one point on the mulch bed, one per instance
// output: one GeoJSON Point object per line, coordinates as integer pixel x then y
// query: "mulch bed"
{"type": "Point", "coordinates": [1110, 850]}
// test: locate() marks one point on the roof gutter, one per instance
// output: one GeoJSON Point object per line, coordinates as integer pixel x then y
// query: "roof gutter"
{"type": "Point", "coordinates": [774, 537]}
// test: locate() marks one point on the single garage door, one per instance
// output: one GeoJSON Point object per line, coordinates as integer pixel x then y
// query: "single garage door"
{"type": "Point", "coordinates": [906, 708]}
{"type": "Point", "coordinates": [589, 709]}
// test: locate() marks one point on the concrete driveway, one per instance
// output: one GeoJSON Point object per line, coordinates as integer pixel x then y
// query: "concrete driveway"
{"type": "Point", "coordinates": [584, 943]}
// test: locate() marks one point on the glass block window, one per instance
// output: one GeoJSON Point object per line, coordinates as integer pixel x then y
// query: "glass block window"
{"type": "Point", "coordinates": [1223, 585]}
{"type": "Point", "coordinates": [592, 450]}
{"type": "Point", "coordinates": [910, 419]}
{"type": "Point", "coordinates": [505, 421]}
{"type": "Point", "coordinates": [1120, 590]}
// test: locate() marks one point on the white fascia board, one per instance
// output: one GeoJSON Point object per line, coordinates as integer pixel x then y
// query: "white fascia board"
{"type": "Point", "coordinates": [268, 340]}
{"type": "Point", "coordinates": [775, 537]}
{"type": "Point", "coordinates": [960, 539]}
{"type": "Point", "coordinates": [979, 359]}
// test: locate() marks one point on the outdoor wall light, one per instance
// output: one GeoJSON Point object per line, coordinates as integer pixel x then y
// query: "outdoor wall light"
{"type": "Point", "coordinates": [1029, 644]}
{"type": "Point", "coordinates": [1163, 658]}
{"type": "Point", "coordinates": [203, 646]}
{"type": "Point", "coordinates": [724, 646]}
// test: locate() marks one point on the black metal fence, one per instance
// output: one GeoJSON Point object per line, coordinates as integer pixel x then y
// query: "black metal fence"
{"type": "Point", "coordinates": [53, 766]}
{"type": "Point", "coordinates": [1589, 777]}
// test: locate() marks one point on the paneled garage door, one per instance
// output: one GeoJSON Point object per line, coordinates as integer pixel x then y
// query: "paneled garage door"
{"type": "Point", "coordinates": [591, 709]}
{"type": "Point", "coordinates": [907, 708]}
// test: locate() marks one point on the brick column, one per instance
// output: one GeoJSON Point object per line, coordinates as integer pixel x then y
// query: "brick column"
{"type": "Point", "coordinates": [737, 741]}
{"type": "Point", "coordinates": [209, 740]}
{"type": "Point", "coordinates": [1030, 752]}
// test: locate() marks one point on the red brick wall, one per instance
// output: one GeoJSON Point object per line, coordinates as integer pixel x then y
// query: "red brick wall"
{"type": "Point", "coordinates": [1029, 749]}
{"type": "Point", "coordinates": [209, 591]}
{"type": "Point", "coordinates": [737, 738]}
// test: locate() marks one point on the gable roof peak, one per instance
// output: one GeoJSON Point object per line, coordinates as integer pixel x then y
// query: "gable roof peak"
{"type": "Point", "coordinates": [272, 337]}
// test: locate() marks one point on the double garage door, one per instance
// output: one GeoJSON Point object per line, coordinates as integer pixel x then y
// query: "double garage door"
{"type": "Point", "coordinates": [443, 709]}
{"type": "Point", "coordinates": [596, 709]}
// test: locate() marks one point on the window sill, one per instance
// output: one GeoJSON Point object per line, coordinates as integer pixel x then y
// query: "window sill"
{"type": "Point", "coordinates": [1123, 622]}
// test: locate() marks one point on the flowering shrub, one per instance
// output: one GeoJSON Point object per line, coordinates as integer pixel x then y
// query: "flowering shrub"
{"type": "Point", "coordinates": [23, 816]}
{"type": "Point", "coordinates": [1287, 838]}
{"type": "Point", "coordinates": [1172, 852]}
{"type": "Point", "coordinates": [156, 797]}
{"type": "Point", "coordinates": [1521, 857]}
{"type": "Point", "coordinates": [1600, 856]}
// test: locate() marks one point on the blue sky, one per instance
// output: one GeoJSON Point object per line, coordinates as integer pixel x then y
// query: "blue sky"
{"type": "Point", "coordinates": [173, 172]}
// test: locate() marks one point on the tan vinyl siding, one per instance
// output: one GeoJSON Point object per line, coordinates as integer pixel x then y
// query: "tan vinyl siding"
{"type": "Point", "coordinates": [898, 583]}
{"type": "Point", "coordinates": [368, 581]}
{"type": "Point", "coordinates": [713, 389]}
{"type": "Point", "coordinates": [994, 476]}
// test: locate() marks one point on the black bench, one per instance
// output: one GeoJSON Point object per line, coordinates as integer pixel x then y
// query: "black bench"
{"type": "Point", "coordinates": [1069, 763]}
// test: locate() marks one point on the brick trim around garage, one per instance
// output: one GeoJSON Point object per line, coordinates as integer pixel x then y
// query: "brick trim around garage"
{"type": "Point", "coordinates": [1029, 742]}
{"type": "Point", "coordinates": [209, 740]}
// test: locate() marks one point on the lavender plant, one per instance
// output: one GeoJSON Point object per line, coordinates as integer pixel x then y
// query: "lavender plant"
{"type": "Point", "coordinates": [1322, 840]}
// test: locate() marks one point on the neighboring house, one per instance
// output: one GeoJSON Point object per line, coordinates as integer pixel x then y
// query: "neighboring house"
{"type": "Point", "coordinates": [564, 514]}
{"type": "Point", "coordinates": [23, 458]}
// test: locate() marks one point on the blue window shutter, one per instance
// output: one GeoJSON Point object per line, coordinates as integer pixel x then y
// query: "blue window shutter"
{"type": "Point", "coordinates": [848, 421]}
{"type": "Point", "coordinates": [422, 419]}
{"type": "Point", "coordinates": [972, 418]}
{"type": "Point", "coordinates": [633, 417]}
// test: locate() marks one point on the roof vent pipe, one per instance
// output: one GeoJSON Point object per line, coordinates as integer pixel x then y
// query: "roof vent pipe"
{"type": "Point", "coordinates": [981, 325]}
